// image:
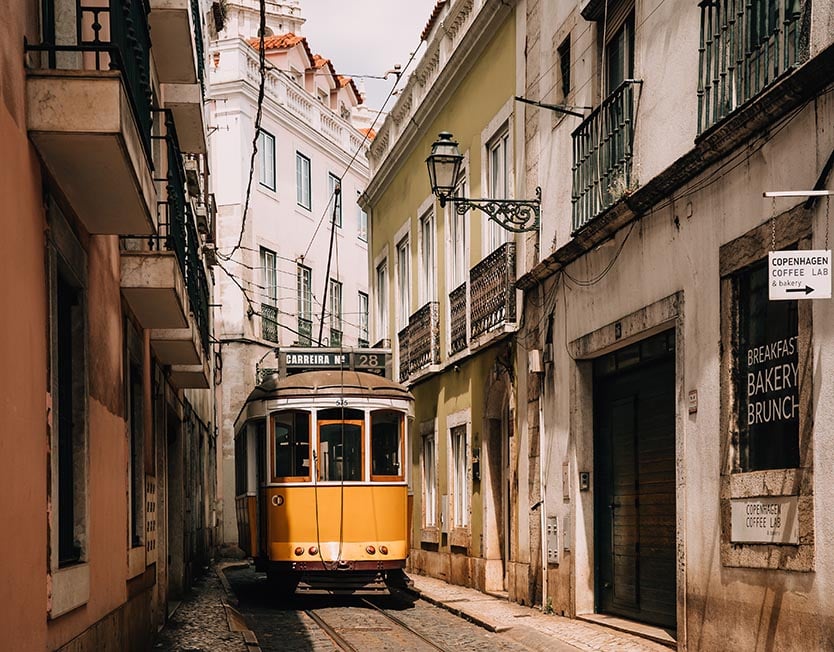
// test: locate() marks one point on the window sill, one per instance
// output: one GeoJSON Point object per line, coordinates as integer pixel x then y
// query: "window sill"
{"type": "Point", "coordinates": [70, 588]}
{"type": "Point", "coordinates": [460, 537]}
{"type": "Point", "coordinates": [430, 535]}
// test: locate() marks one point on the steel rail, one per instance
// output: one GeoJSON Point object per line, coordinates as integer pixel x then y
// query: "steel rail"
{"type": "Point", "coordinates": [337, 638]}
{"type": "Point", "coordinates": [404, 625]}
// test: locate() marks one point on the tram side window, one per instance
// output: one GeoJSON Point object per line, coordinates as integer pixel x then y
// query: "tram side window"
{"type": "Point", "coordinates": [386, 444]}
{"type": "Point", "coordinates": [291, 437]}
{"type": "Point", "coordinates": [340, 444]}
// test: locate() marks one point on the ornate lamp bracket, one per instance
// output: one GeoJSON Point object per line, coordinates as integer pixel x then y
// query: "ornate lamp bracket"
{"type": "Point", "coordinates": [516, 215]}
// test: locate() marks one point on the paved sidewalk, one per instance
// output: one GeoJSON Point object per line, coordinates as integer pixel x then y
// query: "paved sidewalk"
{"type": "Point", "coordinates": [206, 620]}
{"type": "Point", "coordinates": [526, 625]}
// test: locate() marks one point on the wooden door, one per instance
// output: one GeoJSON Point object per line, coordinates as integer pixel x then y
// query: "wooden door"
{"type": "Point", "coordinates": [635, 485]}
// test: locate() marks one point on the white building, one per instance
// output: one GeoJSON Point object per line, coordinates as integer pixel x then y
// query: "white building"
{"type": "Point", "coordinates": [282, 279]}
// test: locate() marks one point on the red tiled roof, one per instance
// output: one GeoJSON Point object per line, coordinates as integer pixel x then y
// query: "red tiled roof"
{"type": "Point", "coordinates": [432, 19]}
{"type": "Point", "coordinates": [281, 42]}
{"type": "Point", "coordinates": [348, 81]}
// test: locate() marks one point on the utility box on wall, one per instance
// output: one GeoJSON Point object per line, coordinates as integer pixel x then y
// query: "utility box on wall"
{"type": "Point", "coordinates": [552, 539]}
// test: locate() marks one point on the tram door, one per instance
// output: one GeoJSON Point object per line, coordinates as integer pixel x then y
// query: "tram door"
{"type": "Point", "coordinates": [634, 451]}
{"type": "Point", "coordinates": [261, 461]}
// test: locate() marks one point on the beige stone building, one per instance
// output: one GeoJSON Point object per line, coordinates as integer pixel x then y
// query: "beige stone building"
{"type": "Point", "coordinates": [682, 414]}
{"type": "Point", "coordinates": [107, 426]}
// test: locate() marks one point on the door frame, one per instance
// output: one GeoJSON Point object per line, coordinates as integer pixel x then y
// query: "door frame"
{"type": "Point", "coordinates": [643, 323]}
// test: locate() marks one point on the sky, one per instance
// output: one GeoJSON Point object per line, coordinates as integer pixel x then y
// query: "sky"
{"type": "Point", "coordinates": [367, 37]}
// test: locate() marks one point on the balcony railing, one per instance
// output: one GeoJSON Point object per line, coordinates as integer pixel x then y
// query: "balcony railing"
{"type": "Point", "coordinates": [305, 331]}
{"type": "Point", "coordinates": [745, 46]}
{"type": "Point", "coordinates": [492, 290]}
{"type": "Point", "coordinates": [269, 322]}
{"type": "Point", "coordinates": [405, 361]}
{"type": "Point", "coordinates": [114, 37]}
{"type": "Point", "coordinates": [335, 337]}
{"type": "Point", "coordinates": [602, 152]}
{"type": "Point", "coordinates": [457, 310]}
{"type": "Point", "coordinates": [198, 42]}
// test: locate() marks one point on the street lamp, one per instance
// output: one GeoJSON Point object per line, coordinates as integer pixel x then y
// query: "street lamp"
{"type": "Point", "coordinates": [517, 215]}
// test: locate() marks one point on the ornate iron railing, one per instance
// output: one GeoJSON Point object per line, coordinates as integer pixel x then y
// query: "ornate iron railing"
{"type": "Point", "coordinates": [305, 331]}
{"type": "Point", "coordinates": [424, 337]}
{"type": "Point", "coordinates": [457, 310]}
{"type": "Point", "coordinates": [196, 17]}
{"type": "Point", "coordinates": [113, 37]}
{"type": "Point", "coordinates": [196, 283]}
{"type": "Point", "coordinates": [269, 322]}
{"type": "Point", "coordinates": [405, 361]}
{"type": "Point", "coordinates": [602, 152]}
{"type": "Point", "coordinates": [492, 290]}
{"type": "Point", "coordinates": [745, 45]}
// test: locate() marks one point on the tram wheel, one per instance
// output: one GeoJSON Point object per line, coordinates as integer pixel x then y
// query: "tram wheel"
{"type": "Point", "coordinates": [282, 585]}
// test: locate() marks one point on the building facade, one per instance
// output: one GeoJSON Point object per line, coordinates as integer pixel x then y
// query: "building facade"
{"type": "Point", "coordinates": [444, 297]}
{"type": "Point", "coordinates": [108, 428]}
{"type": "Point", "coordinates": [292, 240]}
{"type": "Point", "coordinates": [685, 415]}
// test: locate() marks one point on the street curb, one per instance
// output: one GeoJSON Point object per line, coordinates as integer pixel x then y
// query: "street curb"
{"type": "Point", "coordinates": [234, 619]}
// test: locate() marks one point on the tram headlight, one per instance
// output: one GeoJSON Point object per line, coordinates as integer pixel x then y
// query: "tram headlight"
{"type": "Point", "coordinates": [299, 551]}
{"type": "Point", "coordinates": [313, 550]}
{"type": "Point", "coordinates": [383, 550]}
{"type": "Point", "coordinates": [370, 550]}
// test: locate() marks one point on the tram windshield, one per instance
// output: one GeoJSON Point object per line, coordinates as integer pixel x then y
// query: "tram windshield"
{"type": "Point", "coordinates": [340, 444]}
{"type": "Point", "coordinates": [386, 444]}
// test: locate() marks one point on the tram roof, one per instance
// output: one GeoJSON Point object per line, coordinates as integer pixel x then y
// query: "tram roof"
{"type": "Point", "coordinates": [329, 382]}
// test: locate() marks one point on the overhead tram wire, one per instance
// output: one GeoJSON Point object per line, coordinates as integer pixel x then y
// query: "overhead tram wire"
{"type": "Point", "coordinates": [258, 114]}
{"type": "Point", "coordinates": [365, 137]}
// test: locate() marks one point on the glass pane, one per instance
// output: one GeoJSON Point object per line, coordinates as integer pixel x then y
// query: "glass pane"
{"type": "Point", "coordinates": [386, 434]}
{"type": "Point", "coordinates": [340, 451]}
{"type": "Point", "coordinates": [291, 434]}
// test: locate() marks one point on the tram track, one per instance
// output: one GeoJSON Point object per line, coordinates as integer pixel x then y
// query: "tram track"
{"type": "Point", "coordinates": [344, 644]}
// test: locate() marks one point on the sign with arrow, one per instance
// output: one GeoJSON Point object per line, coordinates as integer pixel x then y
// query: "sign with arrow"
{"type": "Point", "coordinates": [799, 274]}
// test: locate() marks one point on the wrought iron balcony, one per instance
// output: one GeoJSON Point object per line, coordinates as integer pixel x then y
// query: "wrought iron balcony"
{"type": "Point", "coordinates": [602, 153]}
{"type": "Point", "coordinates": [420, 341]}
{"type": "Point", "coordinates": [335, 337]}
{"type": "Point", "coordinates": [457, 310]}
{"type": "Point", "coordinates": [269, 322]}
{"type": "Point", "coordinates": [305, 331]}
{"type": "Point", "coordinates": [745, 45]}
{"type": "Point", "coordinates": [492, 290]}
{"type": "Point", "coordinates": [89, 110]}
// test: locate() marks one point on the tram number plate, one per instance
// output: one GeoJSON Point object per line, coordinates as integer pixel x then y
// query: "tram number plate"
{"type": "Point", "coordinates": [369, 360]}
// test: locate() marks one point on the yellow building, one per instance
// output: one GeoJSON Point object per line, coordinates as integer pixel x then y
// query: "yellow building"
{"type": "Point", "coordinates": [444, 297]}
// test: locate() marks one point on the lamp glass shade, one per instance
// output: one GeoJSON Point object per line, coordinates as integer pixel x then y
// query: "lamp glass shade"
{"type": "Point", "coordinates": [444, 165]}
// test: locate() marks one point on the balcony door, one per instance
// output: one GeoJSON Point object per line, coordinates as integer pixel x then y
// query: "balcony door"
{"type": "Point", "coordinates": [619, 50]}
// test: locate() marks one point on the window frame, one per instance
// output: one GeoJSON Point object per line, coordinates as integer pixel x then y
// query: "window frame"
{"type": "Point", "coordinates": [388, 478]}
{"type": "Point", "coordinates": [303, 181]}
{"type": "Point", "coordinates": [382, 318]}
{"type": "Point", "coordinates": [499, 182]}
{"type": "Point", "coordinates": [428, 470]}
{"type": "Point", "coordinates": [364, 321]}
{"type": "Point", "coordinates": [266, 144]}
{"type": "Point", "coordinates": [333, 182]}
{"type": "Point", "coordinates": [336, 289]}
{"type": "Point", "coordinates": [428, 257]}
{"type": "Point", "coordinates": [273, 420]}
{"type": "Point", "coordinates": [403, 260]}
{"type": "Point", "coordinates": [362, 224]}
{"type": "Point", "coordinates": [460, 489]}
{"type": "Point", "coordinates": [362, 453]}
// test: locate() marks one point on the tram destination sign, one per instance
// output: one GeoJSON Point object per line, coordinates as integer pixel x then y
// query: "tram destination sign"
{"type": "Point", "coordinates": [296, 360]}
{"type": "Point", "coordinates": [799, 274]}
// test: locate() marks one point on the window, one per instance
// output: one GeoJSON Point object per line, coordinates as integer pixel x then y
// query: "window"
{"type": "Point", "coordinates": [768, 391]}
{"type": "Point", "coordinates": [305, 305]}
{"type": "Point", "coordinates": [340, 444]}
{"type": "Point", "coordinates": [386, 445]}
{"type": "Point", "coordinates": [564, 67]}
{"type": "Point", "coordinates": [428, 264]}
{"type": "Point", "coordinates": [619, 55]}
{"type": "Point", "coordinates": [291, 446]}
{"type": "Point", "coordinates": [364, 334]}
{"type": "Point", "coordinates": [266, 159]}
{"type": "Point", "coordinates": [403, 284]}
{"type": "Point", "coordinates": [136, 432]}
{"type": "Point", "coordinates": [429, 482]}
{"type": "Point", "coordinates": [302, 181]}
{"type": "Point", "coordinates": [68, 443]}
{"type": "Point", "coordinates": [499, 185]}
{"type": "Point", "coordinates": [362, 228]}
{"type": "Point", "coordinates": [334, 190]}
{"type": "Point", "coordinates": [335, 313]}
{"type": "Point", "coordinates": [460, 470]}
{"type": "Point", "coordinates": [269, 307]}
{"type": "Point", "coordinates": [382, 301]}
{"type": "Point", "coordinates": [458, 236]}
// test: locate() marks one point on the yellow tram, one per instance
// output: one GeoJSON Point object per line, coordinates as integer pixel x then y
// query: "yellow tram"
{"type": "Point", "coordinates": [321, 486]}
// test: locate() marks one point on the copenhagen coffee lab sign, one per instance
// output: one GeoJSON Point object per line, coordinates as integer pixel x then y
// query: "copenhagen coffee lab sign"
{"type": "Point", "coordinates": [799, 274]}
